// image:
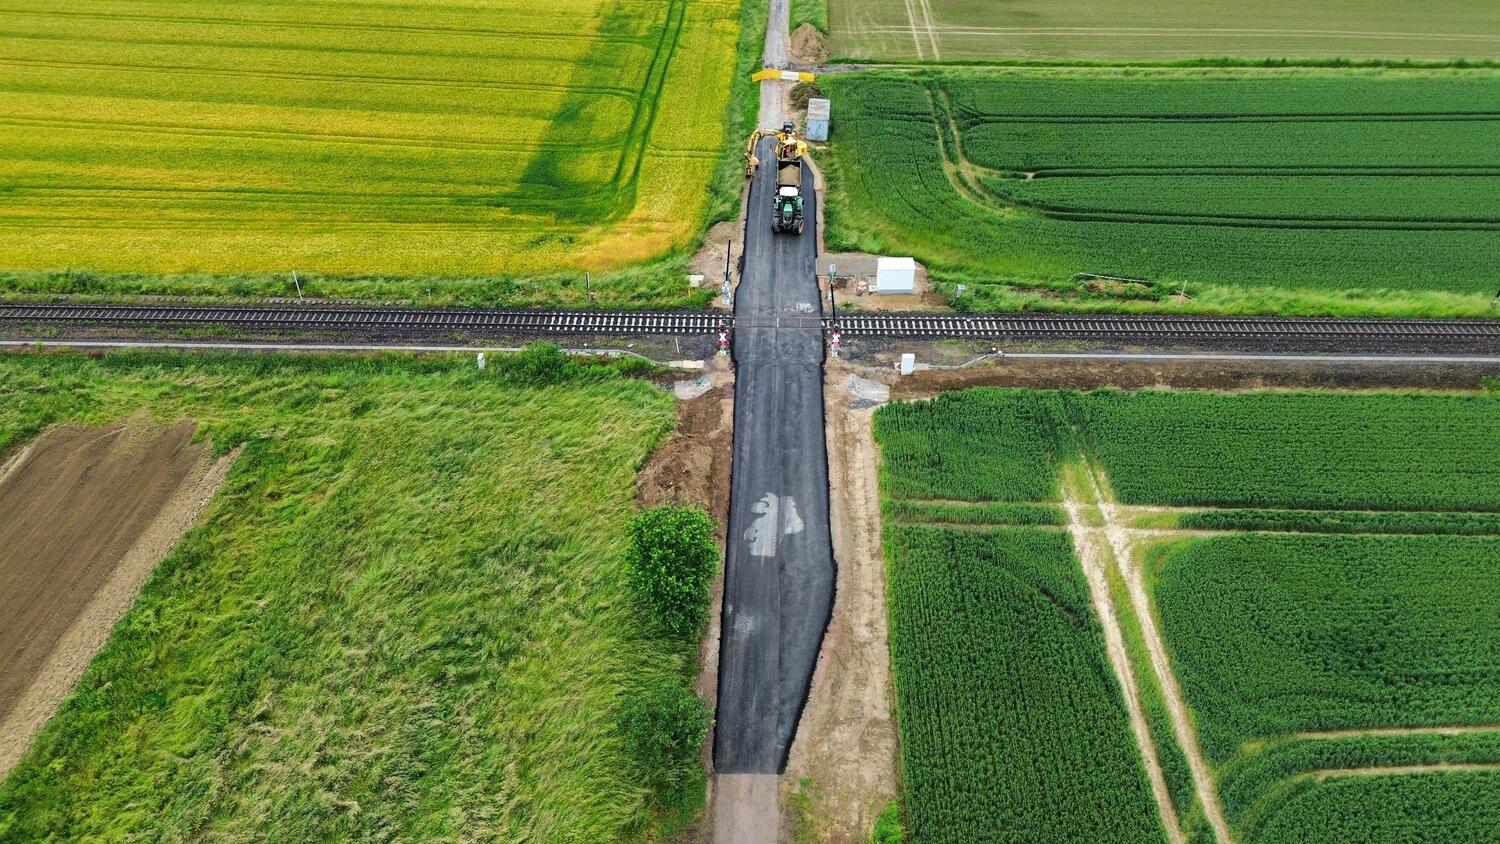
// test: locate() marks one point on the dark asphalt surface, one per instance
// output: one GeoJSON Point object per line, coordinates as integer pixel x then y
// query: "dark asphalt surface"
{"type": "Point", "coordinates": [778, 586]}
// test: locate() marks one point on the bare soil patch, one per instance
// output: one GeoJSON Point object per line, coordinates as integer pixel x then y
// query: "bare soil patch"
{"type": "Point", "coordinates": [88, 514]}
{"type": "Point", "coordinates": [724, 240]}
{"type": "Point", "coordinates": [745, 809]}
{"type": "Point", "coordinates": [809, 45]}
{"type": "Point", "coordinates": [692, 467]}
{"type": "Point", "coordinates": [846, 742]}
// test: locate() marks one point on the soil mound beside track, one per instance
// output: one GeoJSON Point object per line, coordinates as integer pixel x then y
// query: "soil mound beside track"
{"type": "Point", "coordinates": [88, 514]}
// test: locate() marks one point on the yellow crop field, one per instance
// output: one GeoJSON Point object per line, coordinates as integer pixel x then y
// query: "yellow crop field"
{"type": "Point", "coordinates": [448, 137]}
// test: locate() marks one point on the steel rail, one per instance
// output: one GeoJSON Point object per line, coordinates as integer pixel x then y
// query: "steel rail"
{"type": "Point", "coordinates": [342, 318]}
{"type": "Point", "coordinates": [1116, 326]}
{"type": "Point", "coordinates": [431, 321]}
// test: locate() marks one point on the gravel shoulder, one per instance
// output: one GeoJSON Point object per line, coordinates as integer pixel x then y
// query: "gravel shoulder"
{"type": "Point", "coordinates": [847, 742]}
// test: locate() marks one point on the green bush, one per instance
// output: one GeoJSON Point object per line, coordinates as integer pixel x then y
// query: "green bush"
{"type": "Point", "coordinates": [670, 564]}
{"type": "Point", "coordinates": [539, 364]}
{"type": "Point", "coordinates": [664, 729]}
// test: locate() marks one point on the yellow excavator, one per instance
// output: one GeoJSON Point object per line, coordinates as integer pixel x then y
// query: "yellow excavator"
{"type": "Point", "coordinates": [786, 208]}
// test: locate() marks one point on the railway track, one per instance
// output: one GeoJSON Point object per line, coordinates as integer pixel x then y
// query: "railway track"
{"type": "Point", "coordinates": [1123, 327]}
{"type": "Point", "coordinates": [440, 321]}
{"type": "Point", "coordinates": [415, 321]}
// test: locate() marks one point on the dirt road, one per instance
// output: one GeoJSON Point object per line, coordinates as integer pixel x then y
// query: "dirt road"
{"type": "Point", "coordinates": [88, 514]}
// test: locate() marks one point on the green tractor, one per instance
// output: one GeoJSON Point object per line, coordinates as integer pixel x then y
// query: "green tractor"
{"type": "Point", "coordinates": [786, 212]}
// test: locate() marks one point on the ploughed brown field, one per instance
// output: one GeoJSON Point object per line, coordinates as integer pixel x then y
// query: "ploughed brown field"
{"type": "Point", "coordinates": [88, 512]}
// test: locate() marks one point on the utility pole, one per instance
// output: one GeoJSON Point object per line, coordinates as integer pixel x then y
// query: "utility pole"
{"type": "Point", "coordinates": [587, 291]}
{"type": "Point", "coordinates": [832, 305]}
{"type": "Point", "coordinates": [728, 253]}
{"type": "Point", "coordinates": [299, 285]}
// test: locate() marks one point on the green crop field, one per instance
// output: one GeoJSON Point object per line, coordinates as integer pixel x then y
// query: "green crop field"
{"type": "Point", "coordinates": [1233, 191]}
{"type": "Point", "coordinates": [404, 616]}
{"type": "Point", "coordinates": [1395, 451]}
{"type": "Point", "coordinates": [1292, 633]}
{"type": "Point", "coordinates": [1011, 723]}
{"type": "Point", "coordinates": [1335, 634]}
{"type": "Point", "coordinates": [448, 139]}
{"type": "Point", "coordinates": [1151, 30]}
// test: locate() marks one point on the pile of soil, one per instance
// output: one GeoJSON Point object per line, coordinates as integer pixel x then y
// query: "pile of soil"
{"type": "Point", "coordinates": [809, 45]}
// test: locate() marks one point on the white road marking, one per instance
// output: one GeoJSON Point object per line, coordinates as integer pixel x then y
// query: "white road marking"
{"type": "Point", "coordinates": [778, 517]}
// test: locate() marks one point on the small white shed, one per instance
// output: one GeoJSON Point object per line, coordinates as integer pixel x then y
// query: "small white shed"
{"type": "Point", "coordinates": [895, 275]}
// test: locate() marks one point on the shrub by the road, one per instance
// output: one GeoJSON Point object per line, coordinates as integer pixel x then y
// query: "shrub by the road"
{"type": "Point", "coordinates": [664, 729]}
{"type": "Point", "coordinates": [670, 564]}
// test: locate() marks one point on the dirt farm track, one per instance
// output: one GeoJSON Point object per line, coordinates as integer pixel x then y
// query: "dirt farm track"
{"type": "Point", "coordinates": [88, 513]}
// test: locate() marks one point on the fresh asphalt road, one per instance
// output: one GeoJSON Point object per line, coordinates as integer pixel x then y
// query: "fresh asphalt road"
{"type": "Point", "coordinates": [778, 584]}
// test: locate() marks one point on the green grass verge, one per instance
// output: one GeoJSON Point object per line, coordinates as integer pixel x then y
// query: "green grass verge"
{"type": "Point", "coordinates": [403, 617]}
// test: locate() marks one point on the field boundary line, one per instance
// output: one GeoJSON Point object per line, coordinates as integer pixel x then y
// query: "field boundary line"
{"type": "Point", "coordinates": [1092, 559]}
{"type": "Point", "coordinates": [1182, 726]}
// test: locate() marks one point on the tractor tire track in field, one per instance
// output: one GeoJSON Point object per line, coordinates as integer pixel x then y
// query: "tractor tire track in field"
{"type": "Point", "coordinates": [1124, 31]}
{"type": "Point", "coordinates": [964, 176]}
{"type": "Point", "coordinates": [925, 7]}
{"type": "Point", "coordinates": [1368, 732]}
{"type": "Point", "coordinates": [1183, 729]}
{"type": "Point", "coordinates": [305, 137]}
{"type": "Point", "coordinates": [911, 29]}
{"type": "Point", "coordinates": [621, 92]}
{"type": "Point", "coordinates": [1093, 556]}
{"type": "Point", "coordinates": [284, 25]}
{"type": "Point", "coordinates": [1402, 770]}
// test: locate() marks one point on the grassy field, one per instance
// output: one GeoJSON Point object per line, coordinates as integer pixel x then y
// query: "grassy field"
{"type": "Point", "coordinates": [404, 616]}
{"type": "Point", "coordinates": [448, 139]}
{"type": "Point", "coordinates": [1298, 191]}
{"type": "Point", "coordinates": [1150, 30]}
{"type": "Point", "coordinates": [1337, 663]}
{"type": "Point", "coordinates": [814, 12]}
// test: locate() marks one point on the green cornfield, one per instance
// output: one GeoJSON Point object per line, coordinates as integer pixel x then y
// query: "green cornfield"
{"type": "Point", "coordinates": [1336, 637]}
{"type": "Point", "coordinates": [1292, 190]}
{"type": "Point", "coordinates": [1012, 725]}
{"type": "Point", "coordinates": [1402, 451]}
{"type": "Point", "coordinates": [1276, 633]}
